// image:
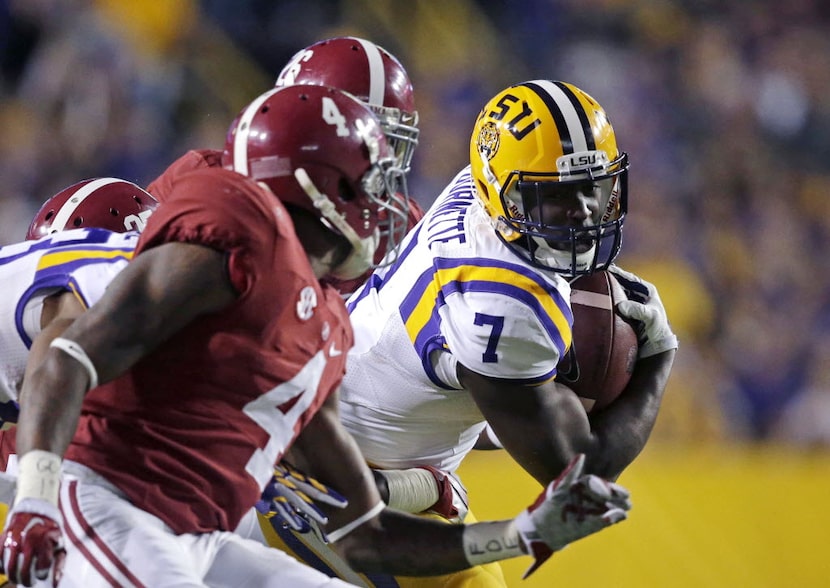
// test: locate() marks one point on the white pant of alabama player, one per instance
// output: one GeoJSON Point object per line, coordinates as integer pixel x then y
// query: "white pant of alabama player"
{"type": "Point", "coordinates": [110, 542]}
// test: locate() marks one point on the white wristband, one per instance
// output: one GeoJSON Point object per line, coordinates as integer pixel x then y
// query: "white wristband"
{"type": "Point", "coordinates": [346, 529]}
{"type": "Point", "coordinates": [77, 353]}
{"type": "Point", "coordinates": [39, 476]}
{"type": "Point", "coordinates": [492, 437]}
{"type": "Point", "coordinates": [493, 541]}
{"type": "Point", "coordinates": [413, 490]}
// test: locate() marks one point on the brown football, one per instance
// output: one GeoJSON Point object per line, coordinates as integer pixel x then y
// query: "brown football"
{"type": "Point", "coordinates": [601, 359]}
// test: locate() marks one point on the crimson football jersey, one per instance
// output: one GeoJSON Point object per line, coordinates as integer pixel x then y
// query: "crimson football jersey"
{"type": "Point", "coordinates": [190, 161]}
{"type": "Point", "coordinates": [191, 433]}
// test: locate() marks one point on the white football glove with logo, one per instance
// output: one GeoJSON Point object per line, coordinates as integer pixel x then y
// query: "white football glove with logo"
{"type": "Point", "coordinates": [646, 310]}
{"type": "Point", "coordinates": [571, 507]}
{"type": "Point", "coordinates": [32, 543]}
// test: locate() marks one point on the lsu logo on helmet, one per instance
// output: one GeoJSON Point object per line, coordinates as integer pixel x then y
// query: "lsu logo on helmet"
{"type": "Point", "coordinates": [488, 140]}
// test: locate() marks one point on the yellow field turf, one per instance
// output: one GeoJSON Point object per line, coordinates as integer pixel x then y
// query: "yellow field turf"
{"type": "Point", "coordinates": [737, 517]}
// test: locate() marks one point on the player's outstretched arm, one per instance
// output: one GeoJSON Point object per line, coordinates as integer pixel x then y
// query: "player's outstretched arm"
{"type": "Point", "coordinates": [153, 297]}
{"type": "Point", "coordinates": [372, 537]}
{"type": "Point", "coordinates": [570, 508]}
{"type": "Point", "coordinates": [625, 425]}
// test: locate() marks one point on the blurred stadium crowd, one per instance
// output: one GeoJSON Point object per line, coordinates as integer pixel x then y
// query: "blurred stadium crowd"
{"type": "Point", "coordinates": [722, 106]}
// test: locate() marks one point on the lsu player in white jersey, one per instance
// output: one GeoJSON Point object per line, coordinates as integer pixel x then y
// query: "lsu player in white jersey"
{"type": "Point", "coordinates": [377, 78]}
{"type": "Point", "coordinates": [46, 283]}
{"type": "Point", "coordinates": [77, 242]}
{"type": "Point", "coordinates": [468, 325]}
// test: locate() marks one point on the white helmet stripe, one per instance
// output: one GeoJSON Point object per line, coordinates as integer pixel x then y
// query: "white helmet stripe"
{"type": "Point", "coordinates": [377, 77]}
{"type": "Point", "coordinates": [575, 128]}
{"type": "Point", "coordinates": [243, 129]}
{"type": "Point", "coordinates": [71, 205]}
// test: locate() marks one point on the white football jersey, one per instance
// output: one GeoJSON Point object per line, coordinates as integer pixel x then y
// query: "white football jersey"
{"type": "Point", "coordinates": [83, 261]}
{"type": "Point", "coordinates": [457, 293]}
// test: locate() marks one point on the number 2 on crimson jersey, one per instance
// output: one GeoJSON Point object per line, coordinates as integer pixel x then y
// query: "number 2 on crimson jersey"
{"type": "Point", "coordinates": [267, 412]}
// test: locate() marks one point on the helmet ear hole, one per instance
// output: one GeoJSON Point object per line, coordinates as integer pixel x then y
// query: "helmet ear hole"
{"type": "Point", "coordinates": [345, 191]}
{"type": "Point", "coordinates": [482, 187]}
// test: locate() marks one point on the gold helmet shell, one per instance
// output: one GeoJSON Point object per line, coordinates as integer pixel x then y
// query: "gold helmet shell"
{"type": "Point", "coordinates": [534, 138]}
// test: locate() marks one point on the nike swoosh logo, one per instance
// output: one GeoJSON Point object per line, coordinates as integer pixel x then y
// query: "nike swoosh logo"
{"type": "Point", "coordinates": [334, 351]}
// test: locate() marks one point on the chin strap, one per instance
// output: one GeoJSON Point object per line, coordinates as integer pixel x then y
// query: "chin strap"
{"type": "Point", "coordinates": [363, 250]}
{"type": "Point", "coordinates": [561, 260]}
{"type": "Point", "coordinates": [359, 260]}
{"type": "Point", "coordinates": [488, 172]}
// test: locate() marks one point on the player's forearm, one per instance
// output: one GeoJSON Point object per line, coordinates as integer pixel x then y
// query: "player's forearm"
{"type": "Point", "coordinates": [541, 427]}
{"type": "Point", "coordinates": [50, 403]}
{"type": "Point", "coordinates": [330, 454]}
{"type": "Point", "coordinates": [624, 427]}
{"type": "Point", "coordinates": [402, 544]}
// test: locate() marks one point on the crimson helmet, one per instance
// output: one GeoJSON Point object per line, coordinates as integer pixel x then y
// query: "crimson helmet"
{"type": "Point", "coordinates": [103, 203]}
{"type": "Point", "coordinates": [368, 72]}
{"type": "Point", "coordinates": [322, 150]}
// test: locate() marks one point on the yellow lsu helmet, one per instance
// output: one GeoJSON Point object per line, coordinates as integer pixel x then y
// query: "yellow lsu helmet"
{"type": "Point", "coordinates": [537, 145]}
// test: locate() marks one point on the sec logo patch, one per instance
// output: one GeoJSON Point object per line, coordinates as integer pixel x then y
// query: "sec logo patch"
{"type": "Point", "coordinates": [307, 303]}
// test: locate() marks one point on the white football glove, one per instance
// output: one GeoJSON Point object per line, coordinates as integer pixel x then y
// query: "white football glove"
{"type": "Point", "coordinates": [291, 495]}
{"type": "Point", "coordinates": [31, 545]}
{"type": "Point", "coordinates": [646, 310]}
{"type": "Point", "coordinates": [571, 507]}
